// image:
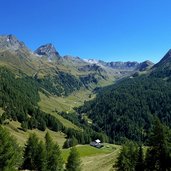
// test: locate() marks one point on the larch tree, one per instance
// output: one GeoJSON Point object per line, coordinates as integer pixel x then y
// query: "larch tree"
{"type": "Point", "coordinates": [10, 152]}
{"type": "Point", "coordinates": [53, 153]}
{"type": "Point", "coordinates": [74, 161]}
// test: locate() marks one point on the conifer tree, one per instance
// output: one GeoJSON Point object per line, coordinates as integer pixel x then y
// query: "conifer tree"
{"type": "Point", "coordinates": [127, 157]}
{"type": "Point", "coordinates": [158, 157]}
{"type": "Point", "coordinates": [35, 156]}
{"type": "Point", "coordinates": [10, 152]}
{"type": "Point", "coordinates": [30, 153]}
{"type": "Point", "coordinates": [66, 144]}
{"type": "Point", "coordinates": [70, 142]}
{"type": "Point", "coordinates": [40, 159]}
{"type": "Point", "coordinates": [74, 161]}
{"type": "Point", "coordinates": [53, 153]}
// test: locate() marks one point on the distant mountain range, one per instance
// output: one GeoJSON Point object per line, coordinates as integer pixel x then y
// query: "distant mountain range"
{"type": "Point", "coordinates": [46, 60]}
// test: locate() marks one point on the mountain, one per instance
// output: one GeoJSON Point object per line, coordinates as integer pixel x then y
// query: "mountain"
{"type": "Point", "coordinates": [10, 42]}
{"type": "Point", "coordinates": [163, 68]}
{"type": "Point", "coordinates": [47, 62]}
{"type": "Point", "coordinates": [127, 67]}
{"type": "Point", "coordinates": [49, 51]}
{"type": "Point", "coordinates": [145, 65]}
{"type": "Point", "coordinates": [60, 75]}
{"type": "Point", "coordinates": [127, 109]}
{"type": "Point", "coordinates": [55, 74]}
{"type": "Point", "coordinates": [165, 60]}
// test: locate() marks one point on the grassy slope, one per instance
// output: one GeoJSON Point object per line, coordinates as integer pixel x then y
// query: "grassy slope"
{"type": "Point", "coordinates": [96, 159]}
{"type": "Point", "coordinates": [64, 103]}
{"type": "Point", "coordinates": [91, 157]}
{"type": "Point", "coordinates": [52, 103]}
{"type": "Point", "coordinates": [15, 129]}
{"type": "Point", "coordinates": [102, 160]}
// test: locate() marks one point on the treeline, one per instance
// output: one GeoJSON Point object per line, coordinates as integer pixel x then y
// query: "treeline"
{"type": "Point", "coordinates": [63, 84]}
{"type": "Point", "coordinates": [36, 155]}
{"type": "Point", "coordinates": [127, 109]}
{"type": "Point", "coordinates": [155, 157]}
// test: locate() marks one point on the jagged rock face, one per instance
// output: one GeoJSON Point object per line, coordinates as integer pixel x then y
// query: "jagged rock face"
{"type": "Point", "coordinates": [49, 51]}
{"type": "Point", "coordinates": [123, 65]}
{"type": "Point", "coordinates": [10, 42]}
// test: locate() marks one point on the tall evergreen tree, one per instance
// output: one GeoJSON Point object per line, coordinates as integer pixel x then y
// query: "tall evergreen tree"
{"type": "Point", "coordinates": [35, 155]}
{"type": "Point", "coordinates": [74, 161]}
{"type": "Point", "coordinates": [30, 153]}
{"type": "Point", "coordinates": [53, 153]}
{"type": "Point", "coordinates": [10, 152]}
{"type": "Point", "coordinates": [127, 157]}
{"type": "Point", "coordinates": [40, 159]}
{"type": "Point", "coordinates": [158, 154]}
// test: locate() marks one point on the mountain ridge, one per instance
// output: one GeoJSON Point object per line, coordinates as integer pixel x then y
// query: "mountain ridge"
{"type": "Point", "coordinates": [10, 42]}
{"type": "Point", "coordinates": [56, 73]}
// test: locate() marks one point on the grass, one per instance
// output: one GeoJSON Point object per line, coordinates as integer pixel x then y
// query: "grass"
{"type": "Point", "coordinates": [15, 129]}
{"type": "Point", "coordinates": [92, 158]}
{"type": "Point", "coordinates": [96, 159]}
{"type": "Point", "coordinates": [64, 103]}
{"type": "Point", "coordinates": [87, 150]}
{"type": "Point", "coordinates": [104, 160]}
{"type": "Point", "coordinates": [50, 104]}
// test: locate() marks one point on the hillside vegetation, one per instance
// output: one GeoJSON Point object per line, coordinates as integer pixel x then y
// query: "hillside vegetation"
{"type": "Point", "coordinates": [127, 109]}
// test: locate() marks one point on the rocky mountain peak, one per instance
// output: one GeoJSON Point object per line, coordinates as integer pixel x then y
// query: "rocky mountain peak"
{"type": "Point", "coordinates": [10, 42]}
{"type": "Point", "coordinates": [49, 51]}
{"type": "Point", "coordinates": [145, 65]}
{"type": "Point", "coordinates": [166, 59]}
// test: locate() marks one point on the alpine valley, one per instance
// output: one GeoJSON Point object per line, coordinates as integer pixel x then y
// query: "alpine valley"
{"type": "Point", "coordinates": [80, 100]}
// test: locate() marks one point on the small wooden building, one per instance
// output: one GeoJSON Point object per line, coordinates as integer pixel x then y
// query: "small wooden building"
{"type": "Point", "coordinates": [96, 143]}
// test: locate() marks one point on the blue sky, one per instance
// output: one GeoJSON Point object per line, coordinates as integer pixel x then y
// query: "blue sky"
{"type": "Point", "coordinates": [110, 30]}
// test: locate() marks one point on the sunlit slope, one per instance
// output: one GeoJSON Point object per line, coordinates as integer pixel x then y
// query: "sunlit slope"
{"type": "Point", "coordinates": [21, 136]}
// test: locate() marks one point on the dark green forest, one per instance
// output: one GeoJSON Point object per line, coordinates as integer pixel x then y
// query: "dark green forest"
{"type": "Point", "coordinates": [60, 84]}
{"type": "Point", "coordinates": [154, 157]}
{"type": "Point", "coordinates": [19, 97]}
{"type": "Point", "coordinates": [126, 110]}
